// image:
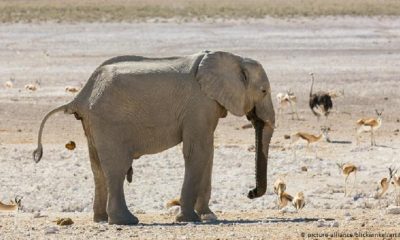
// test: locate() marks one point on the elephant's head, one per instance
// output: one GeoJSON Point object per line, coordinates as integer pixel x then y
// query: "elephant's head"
{"type": "Point", "coordinates": [242, 87]}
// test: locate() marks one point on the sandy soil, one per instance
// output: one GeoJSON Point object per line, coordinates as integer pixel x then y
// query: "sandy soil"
{"type": "Point", "coordinates": [359, 55]}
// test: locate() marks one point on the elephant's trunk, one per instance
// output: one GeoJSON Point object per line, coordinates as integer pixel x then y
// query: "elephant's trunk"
{"type": "Point", "coordinates": [263, 137]}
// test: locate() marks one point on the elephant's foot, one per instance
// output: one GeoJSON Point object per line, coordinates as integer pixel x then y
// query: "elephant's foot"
{"type": "Point", "coordinates": [188, 217]}
{"type": "Point", "coordinates": [100, 217]}
{"type": "Point", "coordinates": [207, 215]}
{"type": "Point", "coordinates": [123, 219]}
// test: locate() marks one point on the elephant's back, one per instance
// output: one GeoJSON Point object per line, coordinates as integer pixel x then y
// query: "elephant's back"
{"type": "Point", "coordinates": [139, 64]}
{"type": "Point", "coordinates": [118, 92]}
{"type": "Point", "coordinates": [136, 59]}
{"type": "Point", "coordinates": [134, 85]}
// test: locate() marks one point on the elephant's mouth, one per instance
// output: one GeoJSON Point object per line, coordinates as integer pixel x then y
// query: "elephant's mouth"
{"type": "Point", "coordinates": [261, 156]}
{"type": "Point", "coordinates": [253, 118]}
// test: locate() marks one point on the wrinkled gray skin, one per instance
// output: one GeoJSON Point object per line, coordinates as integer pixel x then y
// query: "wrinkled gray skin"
{"type": "Point", "coordinates": [132, 106]}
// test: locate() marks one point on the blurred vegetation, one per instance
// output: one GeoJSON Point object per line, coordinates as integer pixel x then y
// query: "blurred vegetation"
{"type": "Point", "coordinates": [140, 10]}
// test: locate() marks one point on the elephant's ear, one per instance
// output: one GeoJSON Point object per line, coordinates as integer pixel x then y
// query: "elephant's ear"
{"type": "Point", "coordinates": [222, 78]}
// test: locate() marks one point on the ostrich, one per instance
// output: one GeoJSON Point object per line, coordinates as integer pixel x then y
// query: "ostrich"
{"type": "Point", "coordinates": [320, 102]}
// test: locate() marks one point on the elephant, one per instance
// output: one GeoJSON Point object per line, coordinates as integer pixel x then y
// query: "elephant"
{"type": "Point", "coordinates": [132, 106]}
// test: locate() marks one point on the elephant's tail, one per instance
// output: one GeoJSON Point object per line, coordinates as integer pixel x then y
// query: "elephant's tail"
{"type": "Point", "coordinates": [174, 202]}
{"type": "Point", "coordinates": [37, 154]}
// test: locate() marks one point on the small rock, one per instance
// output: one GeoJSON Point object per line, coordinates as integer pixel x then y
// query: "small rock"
{"type": "Point", "coordinates": [393, 210]}
{"type": "Point", "coordinates": [70, 145]}
{"type": "Point", "coordinates": [65, 221]}
{"type": "Point", "coordinates": [323, 223]}
{"type": "Point", "coordinates": [304, 169]}
{"type": "Point", "coordinates": [51, 230]}
{"type": "Point", "coordinates": [335, 224]}
{"type": "Point", "coordinates": [36, 215]}
{"type": "Point", "coordinates": [358, 196]}
{"type": "Point", "coordinates": [246, 126]}
{"type": "Point", "coordinates": [252, 148]}
{"type": "Point", "coordinates": [286, 136]}
{"type": "Point", "coordinates": [320, 223]}
{"type": "Point", "coordinates": [348, 218]}
{"type": "Point", "coordinates": [174, 210]}
{"type": "Point", "coordinates": [283, 210]}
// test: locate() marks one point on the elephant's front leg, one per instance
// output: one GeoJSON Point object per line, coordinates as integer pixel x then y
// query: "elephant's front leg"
{"type": "Point", "coordinates": [202, 203]}
{"type": "Point", "coordinates": [198, 152]}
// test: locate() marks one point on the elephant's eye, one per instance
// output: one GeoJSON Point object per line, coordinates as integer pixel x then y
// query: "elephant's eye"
{"type": "Point", "coordinates": [264, 90]}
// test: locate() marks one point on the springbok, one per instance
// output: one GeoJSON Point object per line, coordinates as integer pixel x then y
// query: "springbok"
{"type": "Point", "coordinates": [385, 182]}
{"type": "Point", "coordinates": [347, 169]}
{"type": "Point", "coordinates": [284, 100]}
{"type": "Point", "coordinates": [369, 125]}
{"type": "Point", "coordinates": [279, 186]}
{"type": "Point", "coordinates": [396, 181]}
{"type": "Point", "coordinates": [309, 138]}
{"type": "Point", "coordinates": [298, 201]}
{"type": "Point", "coordinates": [13, 206]}
{"type": "Point", "coordinates": [284, 199]}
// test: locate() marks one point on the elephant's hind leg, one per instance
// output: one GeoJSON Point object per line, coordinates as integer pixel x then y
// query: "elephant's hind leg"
{"type": "Point", "coordinates": [100, 192]}
{"type": "Point", "coordinates": [115, 163]}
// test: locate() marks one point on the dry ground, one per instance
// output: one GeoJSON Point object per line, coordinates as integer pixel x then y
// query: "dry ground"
{"type": "Point", "coordinates": [267, 224]}
{"type": "Point", "coordinates": [184, 10]}
{"type": "Point", "coordinates": [360, 55]}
